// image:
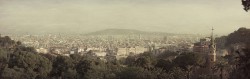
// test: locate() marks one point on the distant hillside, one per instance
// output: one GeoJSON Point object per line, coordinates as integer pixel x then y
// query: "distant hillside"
{"type": "Point", "coordinates": [126, 32]}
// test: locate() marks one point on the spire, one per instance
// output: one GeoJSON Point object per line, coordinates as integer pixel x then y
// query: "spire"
{"type": "Point", "coordinates": [211, 56]}
{"type": "Point", "coordinates": [212, 45]}
{"type": "Point", "coordinates": [212, 36]}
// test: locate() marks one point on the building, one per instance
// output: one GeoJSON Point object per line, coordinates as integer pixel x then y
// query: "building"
{"type": "Point", "coordinates": [42, 50]}
{"type": "Point", "coordinates": [202, 47]}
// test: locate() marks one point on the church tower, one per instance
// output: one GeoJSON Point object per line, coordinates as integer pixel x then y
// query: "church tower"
{"type": "Point", "coordinates": [212, 48]}
{"type": "Point", "coordinates": [211, 56]}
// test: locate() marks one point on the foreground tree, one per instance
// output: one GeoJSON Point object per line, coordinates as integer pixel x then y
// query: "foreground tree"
{"type": "Point", "coordinates": [3, 59]}
{"type": "Point", "coordinates": [34, 65]}
{"type": "Point", "coordinates": [221, 67]}
{"type": "Point", "coordinates": [14, 73]}
{"type": "Point", "coordinates": [19, 62]}
{"type": "Point", "coordinates": [176, 73]}
{"type": "Point", "coordinates": [240, 53]}
{"type": "Point", "coordinates": [61, 66]}
{"type": "Point", "coordinates": [145, 60]}
{"type": "Point", "coordinates": [242, 70]}
{"type": "Point", "coordinates": [166, 65]}
{"type": "Point", "coordinates": [188, 61]}
{"type": "Point", "coordinates": [142, 73]}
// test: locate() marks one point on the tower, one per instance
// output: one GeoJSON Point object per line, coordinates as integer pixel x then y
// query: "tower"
{"type": "Point", "coordinates": [212, 49]}
{"type": "Point", "coordinates": [211, 56]}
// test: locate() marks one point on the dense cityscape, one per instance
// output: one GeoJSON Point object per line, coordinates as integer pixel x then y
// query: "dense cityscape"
{"type": "Point", "coordinates": [174, 56]}
{"type": "Point", "coordinates": [120, 45]}
{"type": "Point", "coordinates": [124, 39]}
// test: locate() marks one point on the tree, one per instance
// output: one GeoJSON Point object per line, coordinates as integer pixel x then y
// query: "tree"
{"type": "Point", "coordinates": [21, 61]}
{"type": "Point", "coordinates": [188, 61]}
{"type": "Point", "coordinates": [95, 69]}
{"type": "Point", "coordinates": [130, 60]}
{"type": "Point", "coordinates": [176, 73]}
{"type": "Point", "coordinates": [6, 42]}
{"type": "Point", "coordinates": [112, 68]}
{"type": "Point", "coordinates": [83, 66]}
{"type": "Point", "coordinates": [166, 65]}
{"type": "Point", "coordinates": [33, 64]}
{"type": "Point", "coordinates": [14, 73]}
{"type": "Point", "coordinates": [221, 66]}
{"type": "Point", "coordinates": [240, 37]}
{"type": "Point", "coordinates": [167, 55]}
{"type": "Point", "coordinates": [76, 58]}
{"type": "Point", "coordinates": [143, 62]}
{"type": "Point", "coordinates": [246, 4]}
{"type": "Point", "coordinates": [141, 73]}
{"type": "Point", "coordinates": [3, 59]}
{"type": "Point", "coordinates": [69, 74]}
{"type": "Point", "coordinates": [242, 69]}
{"type": "Point", "coordinates": [240, 56]}
{"type": "Point", "coordinates": [61, 65]}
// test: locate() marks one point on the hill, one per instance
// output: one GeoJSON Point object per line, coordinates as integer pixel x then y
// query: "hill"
{"type": "Point", "coordinates": [126, 32]}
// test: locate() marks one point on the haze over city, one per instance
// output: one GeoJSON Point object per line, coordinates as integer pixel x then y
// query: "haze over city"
{"type": "Point", "coordinates": [124, 39]}
{"type": "Point", "coordinates": [83, 16]}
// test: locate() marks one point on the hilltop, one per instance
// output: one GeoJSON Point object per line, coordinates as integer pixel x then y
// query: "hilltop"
{"type": "Point", "coordinates": [126, 32]}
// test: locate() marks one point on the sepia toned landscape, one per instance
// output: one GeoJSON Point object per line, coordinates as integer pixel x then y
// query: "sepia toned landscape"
{"type": "Point", "coordinates": [124, 39]}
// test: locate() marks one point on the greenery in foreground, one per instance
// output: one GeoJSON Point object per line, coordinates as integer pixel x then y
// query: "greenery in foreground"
{"type": "Point", "coordinates": [20, 62]}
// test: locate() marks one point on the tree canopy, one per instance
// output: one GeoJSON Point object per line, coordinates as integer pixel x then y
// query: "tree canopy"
{"type": "Point", "coordinates": [246, 4]}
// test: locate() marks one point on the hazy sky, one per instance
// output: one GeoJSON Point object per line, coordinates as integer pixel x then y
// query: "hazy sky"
{"type": "Point", "coordinates": [81, 16]}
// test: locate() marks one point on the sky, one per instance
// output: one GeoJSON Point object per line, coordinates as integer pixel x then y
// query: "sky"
{"type": "Point", "coordinates": [83, 16]}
